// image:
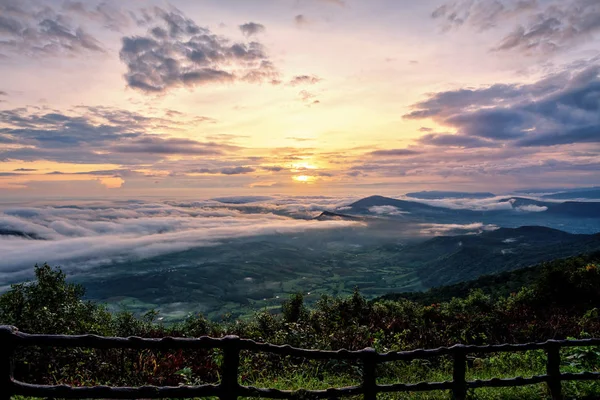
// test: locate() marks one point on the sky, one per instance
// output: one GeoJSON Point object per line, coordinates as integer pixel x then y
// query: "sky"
{"type": "Point", "coordinates": [300, 97]}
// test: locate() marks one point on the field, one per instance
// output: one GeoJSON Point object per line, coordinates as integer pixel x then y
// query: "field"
{"type": "Point", "coordinates": [237, 278]}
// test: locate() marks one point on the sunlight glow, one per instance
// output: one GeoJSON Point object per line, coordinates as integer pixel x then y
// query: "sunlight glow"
{"type": "Point", "coordinates": [304, 178]}
{"type": "Point", "coordinates": [299, 166]}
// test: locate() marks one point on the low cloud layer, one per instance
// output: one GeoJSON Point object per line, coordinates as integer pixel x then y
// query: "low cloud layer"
{"type": "Point", "coordinates": [91, 235]}
{"type": "Point", "coordinates": [455, 229]}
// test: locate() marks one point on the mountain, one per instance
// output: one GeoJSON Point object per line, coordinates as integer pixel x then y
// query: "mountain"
{"type": "Point", "coordinates": [438, 195]}
{"type": "Point", "coordinates": [570, 216]}
{"type": "Point", "coordinates": [414, 210]}
{"type": "Point", "coordinates": [331, 216]}
{"type": "Point", "coordinates": [580, 209]}
{"type": "Point", "coordinates": [449, 259]}
{"type": "Point", "coordinates": [583, 194]}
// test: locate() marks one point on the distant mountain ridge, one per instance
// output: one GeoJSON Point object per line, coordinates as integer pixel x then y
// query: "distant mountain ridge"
{"type": "Point", "coordinates": [439, 194]}
{"type": "Point", "coordinates": [572, 208]}
{"type": "Point", "coordinates": [582, 194]}
{"type": "Point", "coordinates": [510, 211]}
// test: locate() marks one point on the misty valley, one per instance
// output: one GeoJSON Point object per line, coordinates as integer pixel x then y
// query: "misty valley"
{"type": "Point", "coordinates": [230, 257]}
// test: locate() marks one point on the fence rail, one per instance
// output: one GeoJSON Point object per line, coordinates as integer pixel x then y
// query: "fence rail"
{"type": "Point", "coordinates": [229, 388]}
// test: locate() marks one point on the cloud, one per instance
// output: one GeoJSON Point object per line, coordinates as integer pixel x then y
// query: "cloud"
{"type": "Point", "coordinates": [547, 27]}
{"type": "Point", "coordinates": [447, 229]}
{"type": "Point", "coordinates": [225, 171]}
{"type": "Point", "coordinates": [81, 237]}
{"type": "Point", "coordinates": [557, 27]}
{"type": "Point", "coordinates": [563, 108]}
{"type": "Point", "coordinates": [532, 208]}
{"type": "Point", "coordinates": [177, 52]}
{"type": "Point", "coordinates": [237, 170]}
{"type": "Point", "coordinates": [108, 14]}
{"type": "Point", "coordinates": [450, 140]}
{"type": "Point", "coordinates": [2, 93]}
{"type": "Point", "coordinates": [272, 168]}
{"type": "Point", "coordinates": [35, 28]}
{"type": "Point", "coordinates": [96, 135]}
{"type": "Point", "coordinates": [304, 80]}
{"type": "Point", "coordinates": [301, 20]}
{"type": "Point", "coordinates": [394, 153]}
{"type": "Point", "coordinates": [25, 170]}
{"type": "Point", "coordinates": [480, 14]}
{"type": "Point", "coordinates": [305, 95]}
{"type": "Point", "coordinates": [252, 28]}
{"type": "Point", "coordinates": [340, 3]}
{"type": "Point", "coordinates": [387, 210]}
{"type": "Point", "coordinates": [168, 146]}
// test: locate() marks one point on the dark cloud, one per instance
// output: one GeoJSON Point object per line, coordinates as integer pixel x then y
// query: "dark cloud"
{"type": "Point", "coordinates": [480, 14]}
{"type": "Point", "coordinates": [224, 171]}
{"type": "Point", "coordinates": [560, 109]}
{"type": "Point", "coordinates": [25, 170]}
{"type": "Point", "coordinates": [252, 28]}
{"type": "Point", "coordinates": [107, 14]}
{"type": "Point", "coordinates": [157, 145]}
{"type": "Point", "coordinates": [554, 28]}
{"type": "Point", "coordinates": [237, 170]}
{"type": "Point", "coordinates": [95, 135]}
{"type": "Point", "coordinates": [178, 52]}
{"type": "Point", "coordinates": [272, 168]}
{"type": "Point", "coordinates": [301, 20]}
{"type": "Point", "coordinates": [449, 140]}
{"type": "Point", "coordinates": [546, 28]}
{"type": "Point", "coordinates": [35, 28]}
{"type": "Point", "coordinates": [394, 153]}
{"type": "Point", "coordinates": [304, 80]}
{"type": "Point", "coordinates": [3, 93]}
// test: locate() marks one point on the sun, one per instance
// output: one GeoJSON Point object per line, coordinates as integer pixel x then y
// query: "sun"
{"type": "Point", "coordinates": [303, 178]}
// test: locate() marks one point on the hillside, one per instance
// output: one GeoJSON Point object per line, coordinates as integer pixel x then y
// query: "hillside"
{"type": "Point", "coordinates": [452, 259]}
{"type": "Point", "coordinates": [496, 285]}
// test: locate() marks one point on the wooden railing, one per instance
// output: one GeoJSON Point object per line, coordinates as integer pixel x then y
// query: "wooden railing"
{"type": "Point", "coordinates": [229, 388]}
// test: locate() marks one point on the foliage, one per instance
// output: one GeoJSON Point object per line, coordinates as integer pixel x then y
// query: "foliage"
{"type": "Point", "coordinates": [560, 300]}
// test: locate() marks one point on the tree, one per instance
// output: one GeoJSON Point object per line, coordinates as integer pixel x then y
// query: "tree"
{"type": "Point", "coordinates": [52, 305]}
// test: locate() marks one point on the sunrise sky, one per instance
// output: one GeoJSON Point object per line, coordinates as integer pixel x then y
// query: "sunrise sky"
{"type": "Point", "coordinates": [132, 98]}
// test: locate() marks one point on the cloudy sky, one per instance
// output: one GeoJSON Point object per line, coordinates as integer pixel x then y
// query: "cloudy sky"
{"type": "Point", "coordinates": [131, 98]}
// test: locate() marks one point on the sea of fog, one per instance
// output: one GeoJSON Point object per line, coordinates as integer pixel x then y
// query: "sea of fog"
{"type": "Point", "coordinates": [164, 252]}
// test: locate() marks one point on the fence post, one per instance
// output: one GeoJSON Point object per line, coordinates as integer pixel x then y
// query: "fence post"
{"type": "Point", "coordinates": [553, 369]}
{"type": "Point", "coordinates": [459, 382]}
{"type": "Point", "coordinates": [369, 377]}
{"type": "Point", "coordinates": [6, 351]}
{"type": "Point", "coordinates": [231, 361]}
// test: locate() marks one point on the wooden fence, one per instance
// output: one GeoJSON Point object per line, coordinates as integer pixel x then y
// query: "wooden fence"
{"type": "Point", "coordinates": [229, 388]}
